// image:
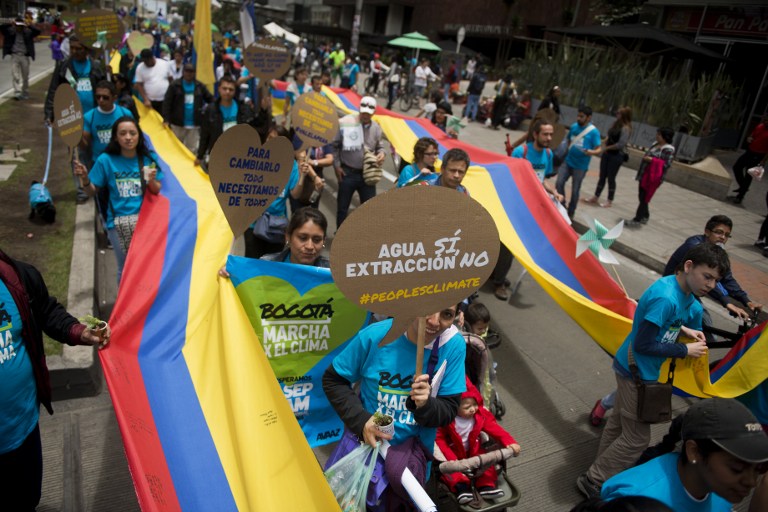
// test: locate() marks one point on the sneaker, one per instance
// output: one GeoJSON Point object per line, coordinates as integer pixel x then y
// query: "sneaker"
{"type": "Point", "coordinates": [632, 223]}
{"type": "Point", "coordinates": [760, 244]}
{"type": "Point", "coordinates": [464, 498]}
{"type": "Point", "coordinates": [491, 492]}
{"type": "Point", "coordinates": [765, 252]}
{"type": "Point", "coordinates": [644, 221]}
{"type": "Point", "coordinates": [597, 414]}
{"type": "Point", "coordinates": [587, 487]}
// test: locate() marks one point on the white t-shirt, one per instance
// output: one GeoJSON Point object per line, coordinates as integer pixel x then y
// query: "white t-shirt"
{"type": "Point", "coordinates": [463, 427]}
{"type": "Point", "coordinates": [155, 79]}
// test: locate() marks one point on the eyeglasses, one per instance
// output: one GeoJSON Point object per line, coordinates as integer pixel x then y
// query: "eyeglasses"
{"type": "Point", "coordinates": [720, 232]}
{"type": "Point", "coordinates": [103, 97]}
{"type": "Point", "coordinates": [431, 153]}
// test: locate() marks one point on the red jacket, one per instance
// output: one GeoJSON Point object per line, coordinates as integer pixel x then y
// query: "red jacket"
{"type": "Point", "coordinates": [450, 442]}
{"type": "Point", "coordinates": [759, 142]}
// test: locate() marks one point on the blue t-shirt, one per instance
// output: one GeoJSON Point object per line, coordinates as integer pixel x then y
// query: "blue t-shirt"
{"type": "Point", "coordinates": [541, 161]}
{"type": "Point", "coordinates": [229, 115]}
{"type": "Point", "coordinates": [123, 179]}
{"type": "Point", "coordinates": [278, 205]}
{"type": "Point", "coordinates": [576, 159]}
{"type": "Point", "coordinates": [189, 103]}
{"type": "Point", "coordinates": [19, 410]}
{"type": "Point", "coordinates": [351, 71]}
{"type": "Point", "coordinates": [407, 174]}
{"type": "Point", "coordinates": [664, 304]}
{"type": "Point", "coordinates": [83, 86]}
{"type": "Point", "coordinates": [99, 125]}
{"type": "Point", "coordinates": [658, 479]}
{"type": "Point", "coordinates": [386, 374]}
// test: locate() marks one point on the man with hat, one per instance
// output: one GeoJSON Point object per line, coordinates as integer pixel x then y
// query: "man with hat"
{"type": "Point", "coordinates": [183, 107]}
{"type": "Point", "coordinates": [19, 43]}
{"type": "Point", "coordinates": [358, 133]}
{"type": "Point", "coordinates": [153, 76]}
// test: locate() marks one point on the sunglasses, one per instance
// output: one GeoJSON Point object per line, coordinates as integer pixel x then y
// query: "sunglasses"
{"type": "Point", "coordinates": [367, 105]}
{"type": "Point", "coordinates": [103, 97]}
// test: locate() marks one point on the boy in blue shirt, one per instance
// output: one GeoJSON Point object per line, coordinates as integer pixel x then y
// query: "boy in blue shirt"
{"type": "Point", "coordinates": [97, 123]}
{"type": "Point", "coordinates": [583, 143]}
{"type": "Point", "coordinates": [666, 309]}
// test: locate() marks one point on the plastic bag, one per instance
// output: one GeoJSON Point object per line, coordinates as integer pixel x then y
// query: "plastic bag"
{"type": "Point", "coordinates": [350, 476]}
{"type": "Point", "coordinates": [756, 172]}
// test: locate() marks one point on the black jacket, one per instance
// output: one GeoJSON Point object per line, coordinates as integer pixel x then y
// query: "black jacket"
{"type": "Point", "coordinates": [39, 312]}
{"type": "Point", "coordinates": [212, 125]}
{"type": "Point", "coordinates": [60, 77]}
{"type": "Point", "coordinates": [9, 37]}
{"type": "Point", "coordinates": [173, 104]}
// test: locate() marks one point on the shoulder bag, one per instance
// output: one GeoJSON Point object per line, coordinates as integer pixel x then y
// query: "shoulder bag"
{"type": "Point", "coordinates": [654, 399]}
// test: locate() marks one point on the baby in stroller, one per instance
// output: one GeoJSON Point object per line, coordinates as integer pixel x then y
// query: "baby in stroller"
{"type": "Point", "coordinates": [462, 439]}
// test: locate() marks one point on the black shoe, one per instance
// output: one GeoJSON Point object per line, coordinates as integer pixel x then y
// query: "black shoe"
{"type": "Point", "coordinates": [736, 200]}
{"type": "Point", "coordinates": [633, 223]}
{"type": "Point", "coordinates": [644, 221]}
{"type": "Point", "coordinates": [765, 252]}
{"type": "Point", "coordinates": [760, 244]}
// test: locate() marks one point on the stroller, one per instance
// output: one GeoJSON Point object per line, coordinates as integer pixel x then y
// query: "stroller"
{"type": "Point", "coordinates": [481, 371]}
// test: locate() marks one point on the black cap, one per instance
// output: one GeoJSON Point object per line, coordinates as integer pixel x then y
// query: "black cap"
{"type": "Point", "coordinates": [188, 67]}
{"type": "Point", "coordinates": [730, 425]}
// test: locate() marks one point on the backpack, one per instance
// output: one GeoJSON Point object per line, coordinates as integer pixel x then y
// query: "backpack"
{"type": "Point", "coordinates": [41, 203]}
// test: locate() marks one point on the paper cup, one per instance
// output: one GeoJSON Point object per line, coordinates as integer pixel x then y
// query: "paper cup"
{"type": "Point", "coordinates": [387, 429]}
{"type": "Point", "coordinates": [147, 172]}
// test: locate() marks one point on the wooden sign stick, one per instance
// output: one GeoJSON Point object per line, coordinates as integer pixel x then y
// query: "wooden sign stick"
{"type": "Point", "coordinates": [420, 346]}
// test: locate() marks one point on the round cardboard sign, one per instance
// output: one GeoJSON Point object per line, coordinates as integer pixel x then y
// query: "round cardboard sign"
{"type": "Point", "coordinates": [314, 119]}
{"type": "Point", "coordinates": [267, 59]}
{"type": "Point", "coordinates": [414, 251]}
{"type": "Point", "coordinates": [138, 41]}
{"type": "Point", "coordinates": [247, 176]}
{"type": "Point", "coordinates": [68, 115]}
{"type": "Point", "coordinates": [90, 23]}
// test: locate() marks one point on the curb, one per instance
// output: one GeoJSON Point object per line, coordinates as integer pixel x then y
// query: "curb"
{"type": "Point", "coordinates": [77, 373]}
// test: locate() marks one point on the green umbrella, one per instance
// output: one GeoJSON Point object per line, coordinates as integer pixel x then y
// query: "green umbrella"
{"type": "Point", "coordinates": [415, 41]}
{"type": "Point", "coordinates": [214, 28]}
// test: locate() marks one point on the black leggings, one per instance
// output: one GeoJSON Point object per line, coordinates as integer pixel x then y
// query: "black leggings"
{"type": "Point", "coordinates": [609, 168]}
{"type": "Point", "coordinates": [21, 473]}
{"type": "Point", "coordinates": [642, 208]}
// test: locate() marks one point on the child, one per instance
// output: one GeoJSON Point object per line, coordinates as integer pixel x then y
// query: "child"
{"type": "Point", "coordinates": [461, 439]}
{"type": "Point", "coordinates": [477, 319]}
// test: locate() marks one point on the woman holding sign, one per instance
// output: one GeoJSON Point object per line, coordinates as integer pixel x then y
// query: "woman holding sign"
{"type": "Point", "coordinates": [388, 386]}
{"type": "Point", "coordinates": [127, 168]}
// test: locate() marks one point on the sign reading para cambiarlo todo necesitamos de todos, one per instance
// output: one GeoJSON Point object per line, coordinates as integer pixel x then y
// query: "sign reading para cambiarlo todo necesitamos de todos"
{"type": "Point", "coordinates": [413, 251]}
{"type": "Point", "coordinates": [68, 115]}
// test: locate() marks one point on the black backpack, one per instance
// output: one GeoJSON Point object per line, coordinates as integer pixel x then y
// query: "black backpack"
{"type": "Point", "coordinates": [477, 84]}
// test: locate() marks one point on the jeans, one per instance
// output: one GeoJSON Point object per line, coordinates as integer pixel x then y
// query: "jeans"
{"type": "Point", "coordinates": [562, 177]}
{"type": "Point", "coordinates": [393, 86]}
{"type": "Point", "coordinates": [609, 168]}
{"type": "Point", "coordinates": [473, 103]}
{"type": "Point", "coordinates": [447, 92]}
{"type": "Point", "coordinates": [351, 182]}
{"type": "Point", "coordinates": [21, 473]}
{"type": "Point", "coordinates": [503, 264]}
{"type": "Point", "coordinates": [119, 254]}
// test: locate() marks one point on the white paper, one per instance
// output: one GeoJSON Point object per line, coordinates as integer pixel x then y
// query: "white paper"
{"type": "Point", "coordinates": [417, 493]}
{"type": "Point", "coordinates": [438, 378]}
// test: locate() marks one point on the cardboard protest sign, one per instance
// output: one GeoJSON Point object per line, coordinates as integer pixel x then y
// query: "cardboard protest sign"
{"type": "Point", "coordinates": [138, 41]}
{"type": "Point", "coordinates": [247, 176]}
{"type": "Point", "coordinates": [414, 251]}
{"type": "Point", "coordinates": [314, 119]}
{"type": "Point", "coordinates": [303, 322]}
{"type": "Point", "coordinates": [90, 23]}
{"type": "Point", "coordinates": [68, 115]}
{"type": "Point", "coordinates": [267, 59]}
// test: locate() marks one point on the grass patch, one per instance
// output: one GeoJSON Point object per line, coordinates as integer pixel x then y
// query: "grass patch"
{"type": "Point", "coordinates": [49, 248]}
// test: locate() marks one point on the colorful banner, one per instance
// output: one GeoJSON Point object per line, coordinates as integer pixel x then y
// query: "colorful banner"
{"type": "Point", "coordinates": [303, 321]}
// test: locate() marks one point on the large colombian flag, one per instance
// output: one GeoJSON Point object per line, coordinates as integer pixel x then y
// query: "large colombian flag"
{"type": "Point", "coordinates": [203, 419]}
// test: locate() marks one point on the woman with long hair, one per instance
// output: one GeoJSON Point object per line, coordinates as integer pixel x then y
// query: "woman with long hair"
{"type": "Point", "coordinates": [126, 168]}
{"type": "Point", "coordinates": [614, 154]}
{"type": "Point", "coordinates": [425, 154]}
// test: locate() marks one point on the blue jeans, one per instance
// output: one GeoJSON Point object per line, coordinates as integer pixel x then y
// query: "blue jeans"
{"type": "Point", "coordinates": [473, 103]}
{"type": "Point", "coordinates": [119, 254]}
{"type": "Point", "coordinates": [351, 182]}
{"type": "Point", "coordinates": [578, 176]}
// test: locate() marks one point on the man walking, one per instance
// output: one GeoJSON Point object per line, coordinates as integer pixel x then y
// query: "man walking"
{"type": "Point", "coordinates": [183, 107]}
{"type": "Point", "coordinates": [583, 143]}
{"type": "Point", "coordinates": [19, 43]}
{"type": "Point", "coordinates": [153, 77]}
{"type": "Point", "coordinates": [357, 133]}
{"type": "Point", "coordinates": [756, 154]}
{"type": "Point", "coordinates": [474, 91]}
{"type": "Point", "coordinates": [221, 115]}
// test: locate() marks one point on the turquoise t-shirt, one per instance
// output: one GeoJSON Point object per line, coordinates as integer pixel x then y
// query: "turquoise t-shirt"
{"type": "Point", "coordinates": [19, 410]}
{"type": "Point", "coordinates": [664, 304]}
{"type": "Point", "coordinates": [541, 161]}
{"type": "Point", "coordinates": [278, 206]}
{"type": "Point", "coordinates": [123, 179]}
{"type": "Point", "coordinates": [386, 374]}
{"type": "Point", "coordinates": [189, 103]}
{"type": "Point", "coordinates": [83, 85]}
{"type": "Point", "coordinates": [229, 114]}
{"type": "Point", "coordinates": [407, 174]}
{"type": "Point", "coordinates": [99, 125]}
{"type": "Point", "coordinates": [658, 479]}
{"type": "Point", "coordinates": [576, 159]}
